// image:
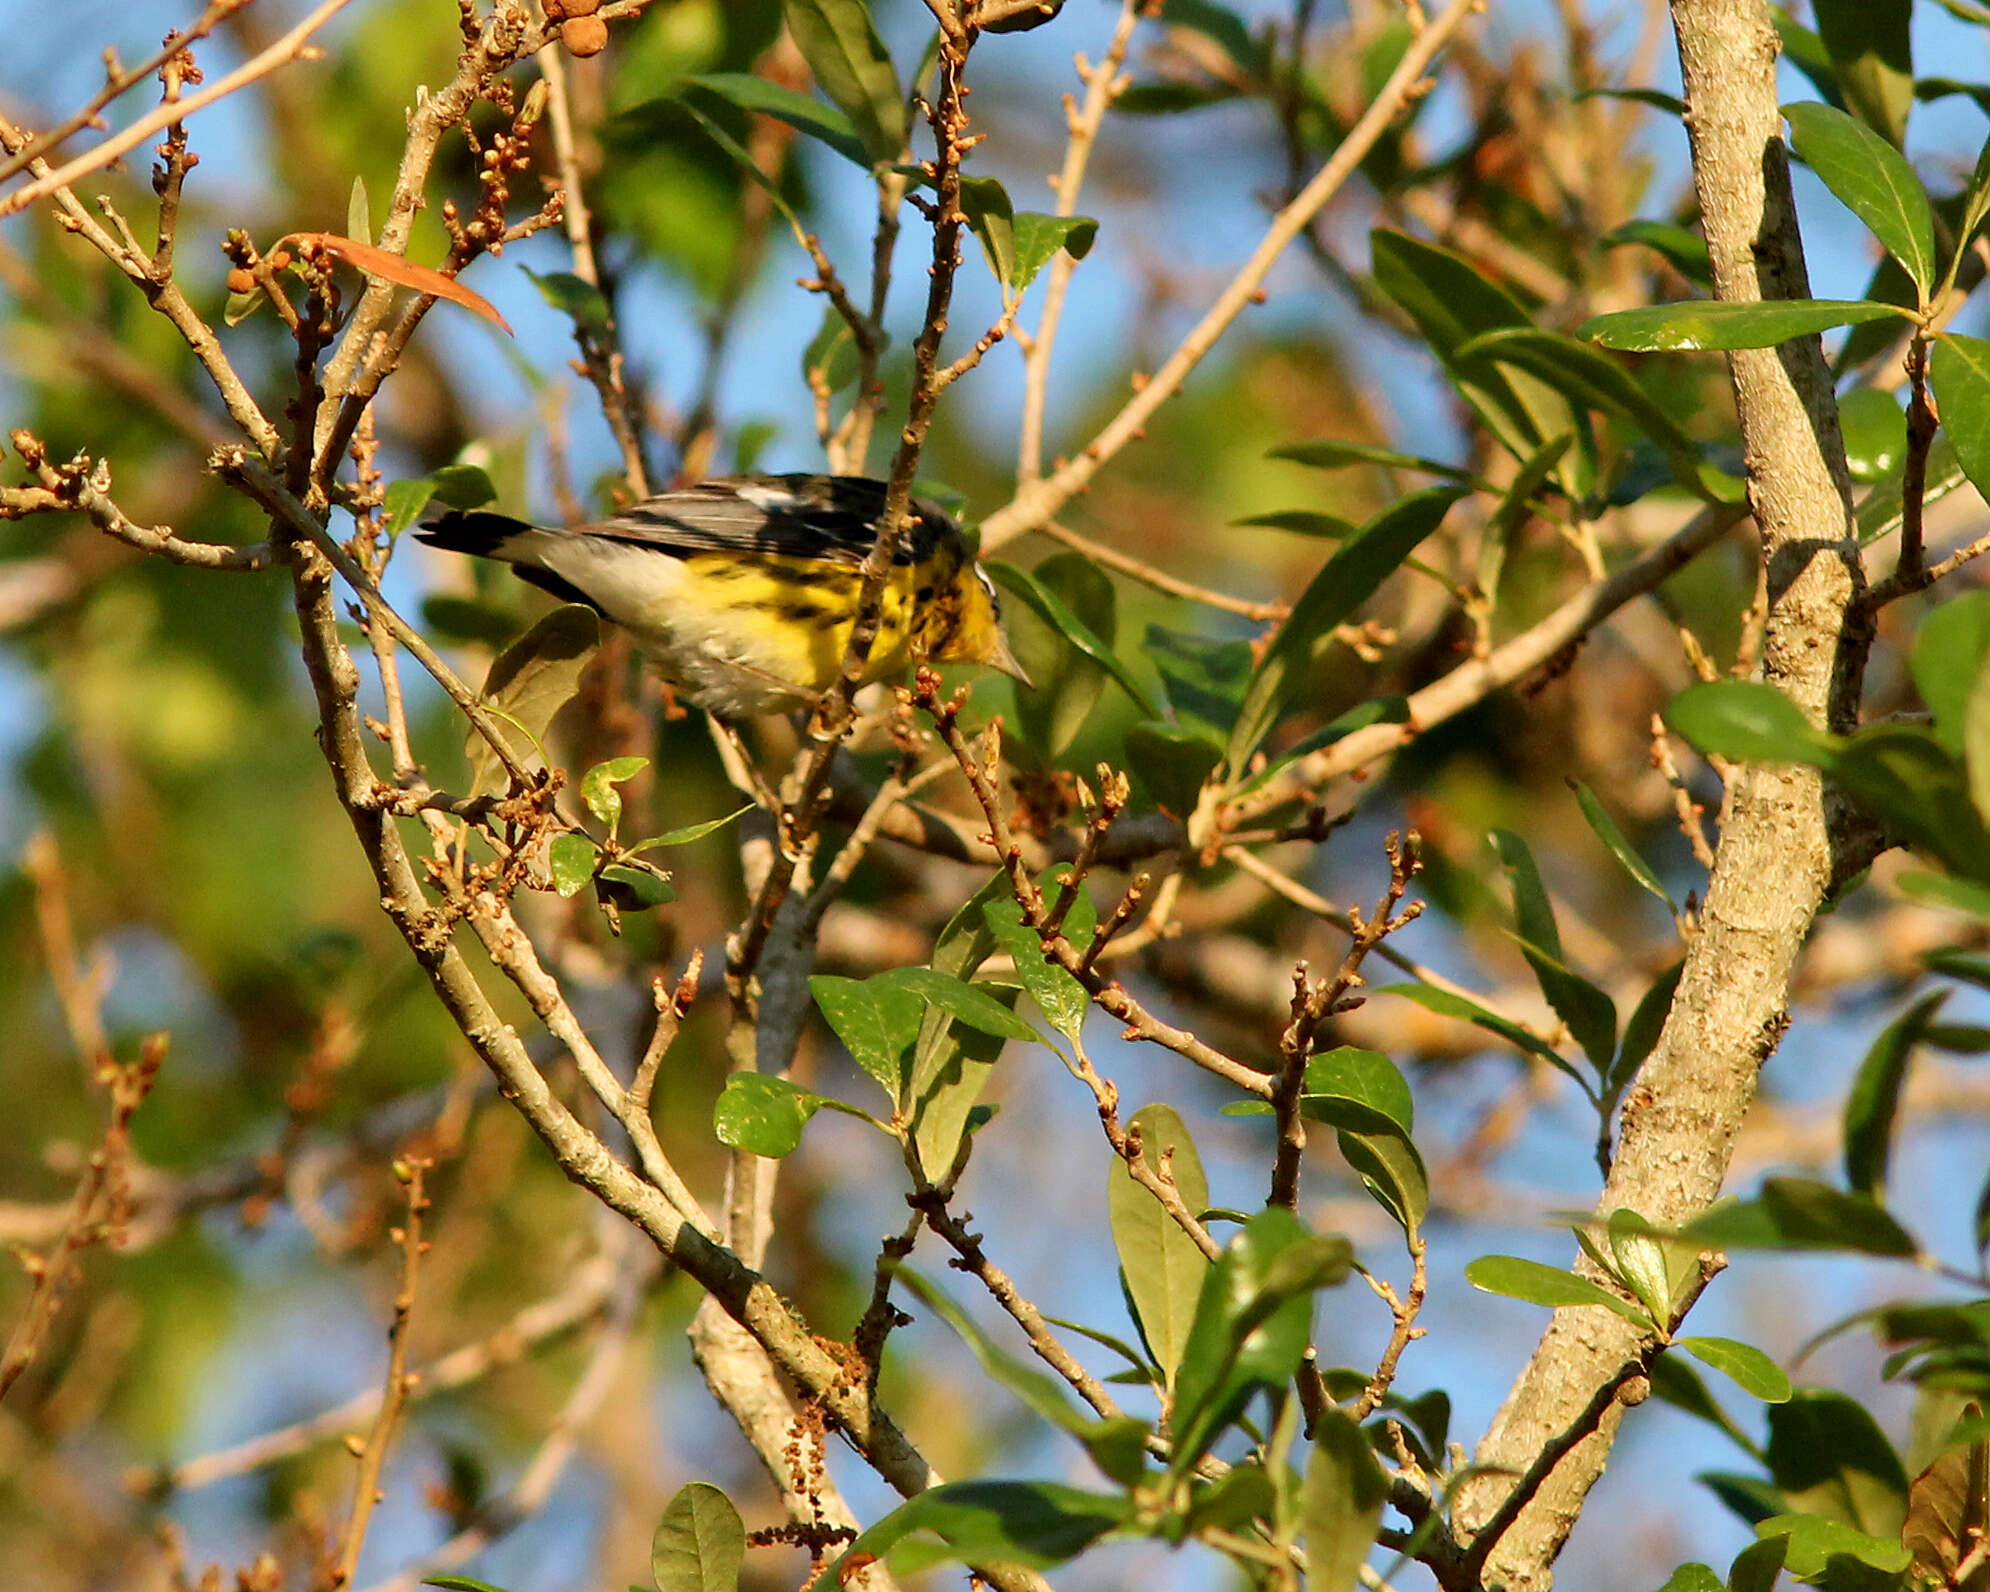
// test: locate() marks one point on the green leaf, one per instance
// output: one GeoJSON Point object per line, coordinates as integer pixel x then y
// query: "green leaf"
{"type": "Point", "coordinates": [1830, 1458]}
{"type": "Point", "coordinates": [402, 503]}
{"type": "Point", "coordinates": [1657, 99]}
{"type": "Point", "coordinates": [700, 1542]}
{"type": "Point", "coordinates": [1051, 609]}
{"type": "Point", "coordinates": [529, 682]}
{"type": "Point", "coordinates": [1594, 381]}
{"type": "Point", "coordinates": [467, 619]}
{"type": "Point", "coordinates": [951, 1065]}
{"type": "Point", "coordinates": [1871, 58]}
{"type": "Point", "coordinates": [1043, 1394]}
{"type": "Point", "coordinates": [464, 486]}
{"type": "Point", "coordinates": [579, 300]}
{"type": "Point", "coordinates": [1685, 249]}
{"type": "Point", "coordinates": [1818, 1547]}
{"type": "Point", "coordinates": [1341, 1504]}
{"type": "Point", "coordinates": [1710, 324]}
{"type": "Point", "coordinates": [1172, 762]}
{"type": "Point", "coordinates": [1605, 829]}
{"type": "Point", "coordinates": [358, 213]}
{"type": "Point", "coordinates": [1879, 516]}
{"type": "Point", "coordinates": [1038, 1524]}
{"type": "Point", "coordinates": [597, 787]}
{"type": "Point", "coordinates": [763, 1114]}
{"type": "Point", "coordinates": [1162, 1265]}
{"type": "Point", "coordinates": [1537, 1284]}
{"type": "Point", "coordinates": [1951, 650]}
{"type": "Point", "coordinates": [1303, 522]}
{"type": "Point", "coordinates": [1693, 1578]}
{"type": "Point", "coordinates": [991, 217]}
{"type": "Point", "coordinates": [1339, 455]}
{"type": "Point", "coordinates": [803, 113]}
{"type": "Point", "coordinates": [1205, 679]}
{"type": "Point", "coordinates": [1224, 28]}
{"type": "Point", "coordinates": [1874, 1099]}
{"type": "Point", "coordinates": [1451, 304]}
{"type": "Point", "coordinates": [1976, 200]}
{"type": "Point", "coordinates": [1958, 895]}
{"type": "Point", "coordinates": [964, 1002]}
{"type": "Point", "coordinates": [1749, 721]}
{"type": "Point", "coordinates": [1676, 1382]}
{"type": "Point", "coordinates": [571, 858]}
{"type": "Point", "coordinates": [1447, 1004]}
{"type": "Point", "coordinates": [687, 833]}
{"type": "Point", "coordinates": [1389, 1166]}
{"type": "Point", "coordinates": [1747, 1366]}
{"type": "Point", "coordinates": [1037, 237]}
{"type": "Point", "coordinates": [1960, 374]}
{"type": "Point", "coordinates": [1058, 995]}
{"type": "Point", "coordinates": [1641, 1033]}
{"type": "Point", "coordinates": [1253, 1320]}
{"type": "Point", "coordinates": [1348, 579]}
{"type": "Point", "coordinates": [1067, 683]}
{"type": "Point", "coordinates": [633, 889]}
{"type": "Point", "coordinates": [1871, 178]}
{"type": "Point", "coordinates": [1802, 1214]}
{"type": "Point", "coordinates": [1366, 1077]}
{"type": "Point", "coordinates": [460, 1583]}
{"type": "Point", "coordinates": [1516, 507]}
{"type": "Point", "coordinates": [1590, 1013]}
{"type": "Point", "coordinates": [852, 67]}
{"type": "Point", "coordinates": [740, 157]}
{"type": "Point", "coordinates": [1903, 773]}
{"type": "Point", "coordinates": [877, 1022]}
{"type": "Point", "coordinates": [1875, 431]}
{"type": "Point", "coordinates": [1638, 1258]}
{"type": "Point", "coordinates": [831, 356]}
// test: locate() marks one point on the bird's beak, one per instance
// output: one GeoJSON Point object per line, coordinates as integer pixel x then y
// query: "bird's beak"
{"type": "Point", "coordinates": [1005, 660]}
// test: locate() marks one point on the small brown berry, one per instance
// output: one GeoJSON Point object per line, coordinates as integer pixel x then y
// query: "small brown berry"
{"type": "Point", "coordinates": [241, 280]}
{"type": "Point", "coordinates": [584, 36]}
{"type": "Point", "coordinates": [556, 10]}
{"type": "Point", "coordinates": [279, 260]}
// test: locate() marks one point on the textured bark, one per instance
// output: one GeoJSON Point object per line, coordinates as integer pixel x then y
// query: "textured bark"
{"type": "Point", "coordinates": [1775, 857]}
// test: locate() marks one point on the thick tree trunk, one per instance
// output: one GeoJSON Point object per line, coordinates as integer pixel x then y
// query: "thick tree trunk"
{"type": "Point", "coordinates": [1775, 857]}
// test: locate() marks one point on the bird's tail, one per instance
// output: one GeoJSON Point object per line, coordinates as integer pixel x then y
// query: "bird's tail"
{"type": "Point", "coordinates": [485, 535]}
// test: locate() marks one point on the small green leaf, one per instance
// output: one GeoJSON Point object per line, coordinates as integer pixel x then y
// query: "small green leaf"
{"type": "Point", "coordinates": [1872, 59]}
{"type": "Point", "coordinates": [991, 217]}
{"type": "Point", "coordinates": [1960, 373]}
{"type": "Point", "coordinates": [571, 858]}
{"type": "Point", "coordinates": [1537, 1284]}
{"type": "Point", "coordinates": [762, 1114]}
{"type": "Point", "coordinates": [464, 486]}
{"type": "Point", "coordinates": [1747, 1366]}
{"type": "Point", "coordinates": [1339, 455]}
{"type": "Point", "coordinates": [1037, 237]}
{"type": "Point", "coordinates": [1874, 1100]}
{"type": "Point", "coordinates": [1605, 829]}
{"type": "Point", "coordinates": [1058, 995]}
{"type": "Point", "coordinates": [1037, 1524]}
{"type": "Point", "coordinates": [964, 1002]}
{"type": "Point", "coordinates": [597, 787]}
{"type": "Point", "coordinates": [1637, 1254]}
{"type": "Point", "coordinates": [403, 502]}
{"type": "Point", "coordinates": [1749, 721]}
{"type": "Point", "coordinates": [633, 889]}
{"type": "Point", "coordinates": [1448, 1004]}
{"type": "Point", "coordinates": [1693, 1578]}
{"type": "Point", "coordinates": [1052, 611]}
{"type": "Point", "coordinates": [1951, 650]}
{"type": "Point", "coordinates": [1066, 683]}
{"type": "Point", "coordinates": [1253, 1319]}
{"type": "Point", "coordinates": [1389, 1166]}
{"type": "Point", "coordinates": [529, 682]}
{"type": "Point", "coordinates": [1710, 324]}
{"type": "Point", "coordinates": [1641, 1033]}
{"type": "Point", "coordinates": [1685, 249]}
{"type": "Point", "coordinates": [579, 300]}
{"type": "Point", "coordinates": [460, 1583]}
{"type": "Point", "coordinates": [1347, 580]}
{"type": "Point", "coordinates": [1304, 522]}
{"type": "Point", "coordinates": [688, 833]}
{"type": "Point", "coordinates": [700, 1542]}
{"type": "Point", "coordinates": [1875, 430]}
{"type": "Point", "coordinates": [1341, 1504]}
{"type": "Point", "coordinates": [358, 213]}
{"type": "Point", "coordinates": [1816, 1545]}
{"type": "Point", "coordinates": [802, 112]}
{"type": "Point", "coordinates": [852, 66]}
{"type": "Point", "coordinates": [1172, 762]}
{"type": "Point", "coordinates": [1872, 179]}
{"type": "Point", "coordinates": [1590, 1013]}
{"type": "Point", "coordinates": [1801, 1214]}
{"type": "Point", "coordinates": [1163, 1267]}
{"type": "Point", "coordinates": [878, 1023]}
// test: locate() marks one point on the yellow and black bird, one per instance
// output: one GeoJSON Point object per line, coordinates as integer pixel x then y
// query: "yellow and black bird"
{"type": "Point", "coordinates": [745, 590]}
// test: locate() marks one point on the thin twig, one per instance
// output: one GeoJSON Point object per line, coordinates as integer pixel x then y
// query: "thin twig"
{"type": "Point", "coordinates": [1160, 579]}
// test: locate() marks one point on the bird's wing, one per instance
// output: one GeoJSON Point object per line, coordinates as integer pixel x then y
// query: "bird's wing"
{"type": "Point", "coordinates": [831, 518]}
